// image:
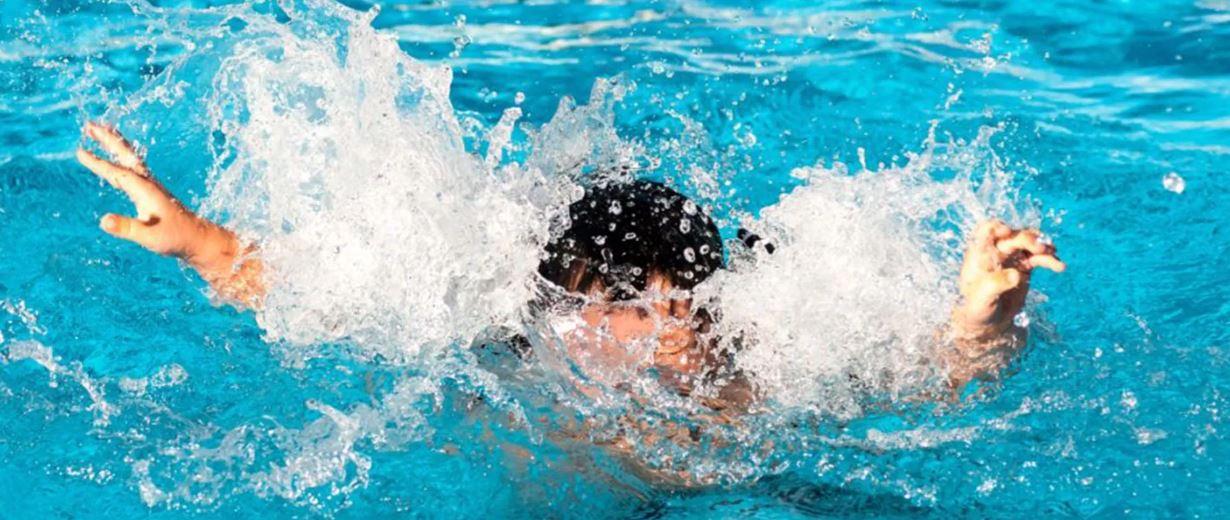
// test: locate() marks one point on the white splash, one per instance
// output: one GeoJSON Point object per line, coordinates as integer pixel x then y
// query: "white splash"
{"type": "Point", "coordinates": [350, 171]}
{"type": "Point", "coordinates": [43, 355]}
{"type": "Point", "coordinates": [851, 303]}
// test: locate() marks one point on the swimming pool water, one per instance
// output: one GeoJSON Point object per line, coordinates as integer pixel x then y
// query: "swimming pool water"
{"type": "Point", "coordinates": [125, 392]}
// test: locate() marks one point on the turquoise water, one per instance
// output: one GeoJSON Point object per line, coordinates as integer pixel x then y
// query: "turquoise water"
{"type": "Point", "coordinates": [343, 149]}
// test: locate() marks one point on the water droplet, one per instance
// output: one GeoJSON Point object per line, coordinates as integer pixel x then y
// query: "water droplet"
{"type": "Point", "coordinates": [685, 225]}
{"type": "Point", "coordinates": [689, 207]}
{"type": "Point", "coordinates": [689, 255]}
{"type": "Point", "coordinates": [1021, 320]}
{"type": "Point", "coordinates": [459, 43]}
{"type": "Point", "coordinates": [1147, 436]}
{"type": "Point", "coordinates": [1174, 183]}
{"type": "Point", "coordinates": [616, 208]}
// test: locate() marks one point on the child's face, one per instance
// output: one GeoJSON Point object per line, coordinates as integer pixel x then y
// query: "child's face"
{"type": "Point", "coordinates": [625, 337]}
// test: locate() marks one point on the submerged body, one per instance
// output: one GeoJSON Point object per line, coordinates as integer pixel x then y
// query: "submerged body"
{"type": "Point", "coordinates": [627, 265]}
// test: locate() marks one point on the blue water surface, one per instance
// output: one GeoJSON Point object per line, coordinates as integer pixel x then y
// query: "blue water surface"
{"type": "Point", "coordinates": [1101, 109]}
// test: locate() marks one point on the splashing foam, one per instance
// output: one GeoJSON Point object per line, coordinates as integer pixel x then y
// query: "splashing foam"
{"type": "Point", "coordinates": [43, 356]}
{"type": "Point", "coordinates": [848, 307]}
{"type": "Point", "coordinates": [349, 170]}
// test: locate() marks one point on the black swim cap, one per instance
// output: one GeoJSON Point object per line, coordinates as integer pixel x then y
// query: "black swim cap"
{"type": "Point", "coordinates": [622, 232]}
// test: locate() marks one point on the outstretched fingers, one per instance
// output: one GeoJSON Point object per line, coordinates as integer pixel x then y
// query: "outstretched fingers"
{"type": "Point", "coordinates": [138, 188]}
{"type": "Point", "coordinates": [1028, 249]}
{"type": "Point", "coordinates": [117, 176]}
{"type": "Point", "coordinates": [981, 256]}
{"type": "Point", "coordinates": [1046, 261]}
{"type": "Point", "coordinates": [990, 232]}
{"type": "Point", "coordinates": [1028, 241]}
{"type": "Point", "coordinates": [124, 227]}
{"type": "Point", "coordinates": [119, 148]}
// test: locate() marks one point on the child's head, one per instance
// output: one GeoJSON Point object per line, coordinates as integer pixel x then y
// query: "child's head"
{"type": "Point", "coordinates": [631, 248]}
{"type": "Point", "coordinates": [623, 235]}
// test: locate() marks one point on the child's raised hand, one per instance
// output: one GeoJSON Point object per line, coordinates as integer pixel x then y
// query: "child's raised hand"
{"type": "Point", "coordinates": [995, 277]}
{"type": "Point", "coordinates": [162, 225]}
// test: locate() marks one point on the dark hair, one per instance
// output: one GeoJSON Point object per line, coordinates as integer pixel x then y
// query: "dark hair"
{"type": "Point", "coordinates": [620, 233]}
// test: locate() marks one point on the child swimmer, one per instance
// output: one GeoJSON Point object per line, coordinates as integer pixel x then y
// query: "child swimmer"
{"type": "Point", "coordinates": [631, 242]}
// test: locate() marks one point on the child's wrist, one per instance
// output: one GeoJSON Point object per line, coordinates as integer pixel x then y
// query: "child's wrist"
{"type": "Point", "coordinates": [215, 253]}
{"type": "Point", "coordinates": [970, 329]}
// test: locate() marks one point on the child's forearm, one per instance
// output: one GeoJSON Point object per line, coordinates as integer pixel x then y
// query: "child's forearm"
{"type": "Point", "coordinates": [230, 268]}
{"type": "Point", "coordinates": [979, 352]}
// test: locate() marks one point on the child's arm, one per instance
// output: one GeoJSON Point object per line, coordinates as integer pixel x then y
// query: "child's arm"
{"type": "Point", "coordinates": [994, 282]}
{"type": "Point", "coordinates": [163, 225]}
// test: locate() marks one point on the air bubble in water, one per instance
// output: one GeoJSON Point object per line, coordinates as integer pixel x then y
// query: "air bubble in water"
{"type": "Point", "coordinates": [685, 225]}
{"type": "Point", "coordinates": [689, 255]}
{"type": "Point", "coordinates": [1021, 320]}
{"type": "Point", "coordinates": [1174, 183]}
